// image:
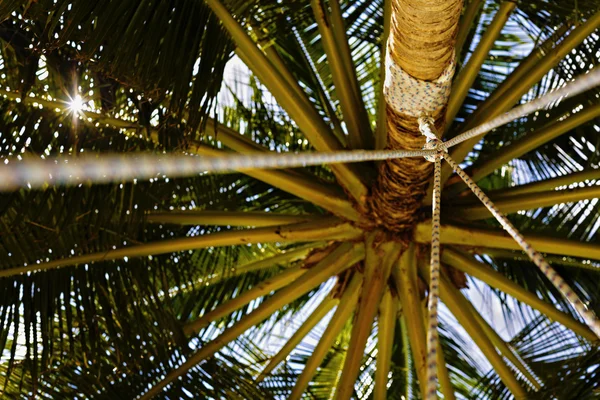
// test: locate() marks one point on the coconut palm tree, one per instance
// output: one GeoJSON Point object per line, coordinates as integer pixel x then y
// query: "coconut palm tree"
{"type": "Point", "coordinates": [307, 282]}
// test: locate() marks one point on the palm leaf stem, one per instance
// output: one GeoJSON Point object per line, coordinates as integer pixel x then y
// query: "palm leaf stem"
{"type": "Point", "coordinates": [307, 118]}
{"type": "Point", "coordinates": [513, 80]}
{"type": "Point", "coordinates": [496, 280]}
{"type": "Point", "coordinates": [505, 349]}
{"type": "Point", "coordinates": [405, 278]}
{"type": "Point", "coordinates": [298, 184]}
{"type": "Point", "coordinates": [226, 218]}
{"type": "Point", "coordinates": [442, 370]}
{"type": "Point", "coordinates": [336, 262]}
{"type": "Point", "coordinates": [476, 237]}
{"type": "Point", "coordinates": [327, 196]}
{"type": "Point", "coordinates": [466, 315]}
{"type": "Point", "coordinates": [381, 130]}
{"type": "Point", "coordinates": [443, 375]}
{"type": "Point", "coordinates": [326, 229]}
{"type": "Point", "coordinates": [504, 101]}
{"type": "Point", "coordinates": [562, 261]}
{"type": "Point", "coordinates": [275, 59]}
{"type": "Point", "coordinates": [469, 72]}
{"type": "Point", "coordinates": [267, 286]}
{"type": "Point", "coordinates": [229, 137]}
{"type": "Point", "coordinates": [559, 283]}
{"type": "Point", "coordinates": [321, 92]}
{"type": "Point", "coordinates": [388, 310]}
{"type": "Point", "coordinates": [378, 264]}
{"type": "Point", "coordinates": [525, 202]}
{"type": "Point", "coordinates": [335, 43]}
{"type": "Point", "coordinates": [466, 25]}
{"type": "Point", "coordinates": [336, 324]}
{"type": "Point", "coordinates": [232, 139]}
{"type": "Point", "coordinates": [285, 259]}
{"type": "Point", "coordinates": [461, 309]}
{"type": "Point", "coordinates": [408, 360]}
{"type": "Point", "coordinates": [590, 174]}
{"type": "Point", "coordinates": [527, 143]}
{"type": "Point", "coordinates": [273, 56]}
{"type": "Point", "coordinates": [339, 31]}
{"type": "Point", "coordinates": [315, 317]}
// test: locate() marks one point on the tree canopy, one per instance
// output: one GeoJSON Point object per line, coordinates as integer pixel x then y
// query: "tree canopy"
{"type": "Point", "coordinates": [260, 285]}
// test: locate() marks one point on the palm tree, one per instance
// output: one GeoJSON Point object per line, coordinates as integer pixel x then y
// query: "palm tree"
{"type": "Point", "coordinates": [295, 282]}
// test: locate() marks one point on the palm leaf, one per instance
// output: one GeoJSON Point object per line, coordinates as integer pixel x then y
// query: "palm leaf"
{"type": "Point", "coordinates": [128, 76]}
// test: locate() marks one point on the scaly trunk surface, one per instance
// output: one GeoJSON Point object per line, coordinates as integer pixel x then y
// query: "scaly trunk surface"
{"type": "Point", "coordinates": [421, 42]}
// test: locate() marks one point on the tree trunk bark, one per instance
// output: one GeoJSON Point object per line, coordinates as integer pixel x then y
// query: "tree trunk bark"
{"type": "Point", "coordinates": [421, 43]}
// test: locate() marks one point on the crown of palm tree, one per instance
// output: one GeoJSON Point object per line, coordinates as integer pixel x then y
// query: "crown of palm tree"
{"type": "Point", "coordinates": [305, 282]}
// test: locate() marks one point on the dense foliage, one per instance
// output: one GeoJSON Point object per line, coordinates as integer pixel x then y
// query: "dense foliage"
{"type": "Point", "coordinates": [123, 76]}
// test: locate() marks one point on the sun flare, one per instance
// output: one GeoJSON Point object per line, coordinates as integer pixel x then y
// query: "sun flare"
{"type": "Point", "coordinates": [76, 104]}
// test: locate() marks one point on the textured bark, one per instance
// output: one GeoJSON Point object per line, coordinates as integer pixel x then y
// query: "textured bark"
{"type": "Point", "coordinates": [421, 42]}
{"type": "Point", "coordinates": [422, 35]}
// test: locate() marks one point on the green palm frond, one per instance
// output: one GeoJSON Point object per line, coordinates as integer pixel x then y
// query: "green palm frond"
{"type": "Point", "coordinates": [554, 355]}
{"type": "Point", "coordinates": [154, 76]}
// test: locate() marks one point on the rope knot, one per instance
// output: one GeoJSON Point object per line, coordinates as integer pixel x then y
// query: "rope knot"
{"type": "Point", "coordinates": [427, 129]}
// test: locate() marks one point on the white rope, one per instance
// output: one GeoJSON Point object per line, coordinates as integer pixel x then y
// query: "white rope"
{"type": "Point", "coordinates": [575, 87]}
{"type": "Point", "coordinates": [588, 315]}
{"type": "Point", "coordinates": [408, 95]}
{"type": "Point", "coordinates": [104, 168]}
{"type": "Point", "coordinates": [36, 173]}
{"type": "Point", "coordinates": [434, 290]}
{"type": "Point", "coordinates": [427, 128]}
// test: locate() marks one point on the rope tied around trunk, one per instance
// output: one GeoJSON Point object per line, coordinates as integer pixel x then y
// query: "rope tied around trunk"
{"type": "Point", "coordinates": [413, 97]}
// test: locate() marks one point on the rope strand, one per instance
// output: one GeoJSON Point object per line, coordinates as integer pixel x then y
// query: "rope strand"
{"type": "Point", "coordinates": [575, 87]}
{"type": "Point", "coordinates": [427, 129]}
{"type": "Point", "coordinates": [434, 290]}
{"type": "Point", "coordinates": [588, 315]}
{"type": "Point", "coordinates": [35, 173]}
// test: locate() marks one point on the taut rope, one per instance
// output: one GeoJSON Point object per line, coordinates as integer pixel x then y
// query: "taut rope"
{"type": "Point", "coordinates": [427, 129]}
{"type": "Point", "coordinates": [31, 173]}
{"type": "Point", "coordinates": [426, 126]}
{"type": "Point", "coordinates": [35, 173]}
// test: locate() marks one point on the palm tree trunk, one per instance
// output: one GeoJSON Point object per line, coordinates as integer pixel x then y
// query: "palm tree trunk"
{"type": "Point", "coordinates": [421, 43]}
